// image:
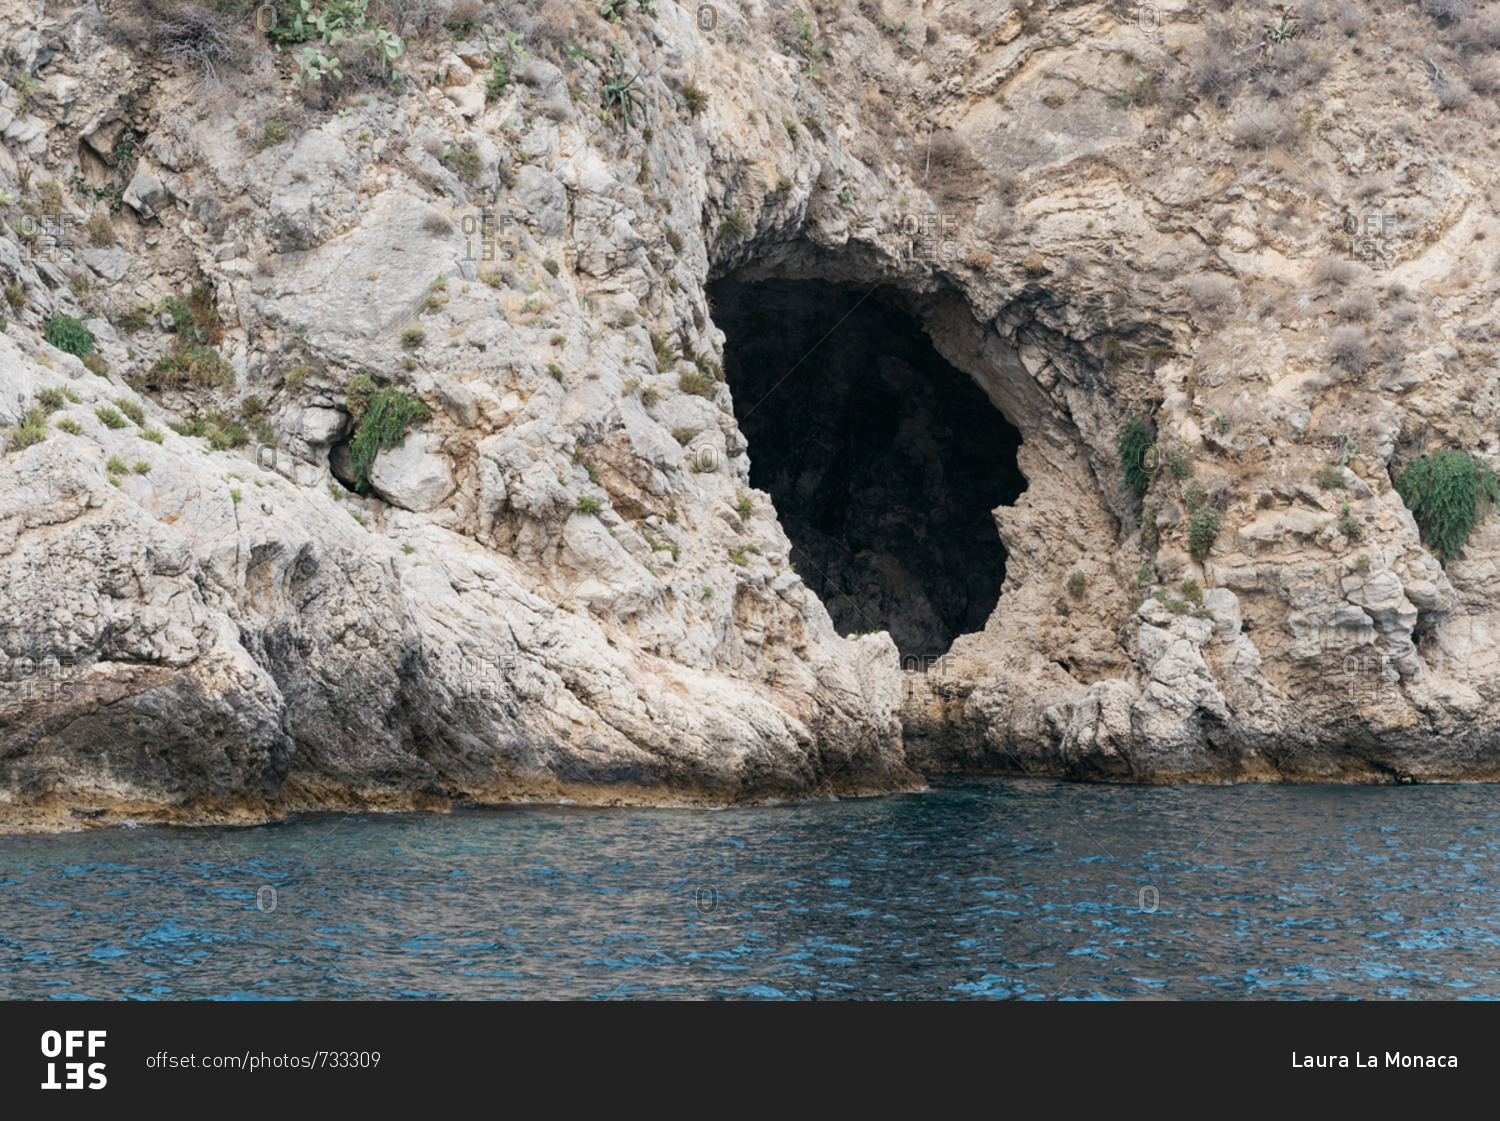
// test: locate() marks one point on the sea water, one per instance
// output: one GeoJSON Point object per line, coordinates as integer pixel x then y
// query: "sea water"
{"type": "Point", "coordinates": [982, 888]}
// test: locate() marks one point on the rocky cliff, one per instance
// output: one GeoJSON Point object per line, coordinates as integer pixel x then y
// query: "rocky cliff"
{"type": "Point", "coordinates": [451, 403]}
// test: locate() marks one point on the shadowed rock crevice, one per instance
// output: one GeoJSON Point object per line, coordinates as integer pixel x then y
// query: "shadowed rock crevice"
{"type": "Point", "coordinates": [883, 460]}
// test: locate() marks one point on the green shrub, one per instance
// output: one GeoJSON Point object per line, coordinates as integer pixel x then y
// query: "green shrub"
{"type": "Point", "coordinates": [116, 466]}
{"type": "Point", "coordinates": [133, 411]}
{"type": "Point", "coordinates": [51, 194]}
{"type": "Point", "coordinates": [31, 430]}
{"type": "Point", "coordinates": [1076, 583]}
{"type": "Point", "coordinates": [228, 435]}
{"type": "Point", "coordinates": [359, 391]}
{"type": "Point", "coordinates": [588, 505]}
{"type": "Point", "coordinates": [274, 132]}
{"type": "Point", "coordinates": [155, 435]}
{"type": "Point", "coordinates": [1150, 537]}
{"type": "Point", "coordinates": [413, 337]}
{"type": "Point", "coordinates": [1445, 492]}
{"type": "Point", "coordinates": [665, 352]}
{"type": "Point", "coordinates": [557, 373]}
{"type": "Point", "coordinates": [1193, 494]}
{"type": "Point", "coordinates": [50, 400]}
{"type": "Point", "coordinates": [502, 65]}
{"type": "Point", "coordinates": [382, 424]}
{"type": "Point", "coordinates": [1330, 477]}
{"type": "Point", "coordinates": [15, 296]}
{"type": "Point", "coordinates": [1202, 531]}
{"type": "Point", "coordinates": [734, 226]}
{"type": "Point", "coordinates": [737, 556]}
{"type": "Point", "coordinates": [69, 335]}
{"type": "Point", "coordinates": [70, 426]}
{"type": "Point", "coordinates": [691, 381]}
{"type": "Point", "coordinates": [1350, 526]}
{"type": "Point", "coordinates": [1192, 591]}
{"type": "Point", "coordinates": [193, 364]}
{"type": "Point", "coordinates": [95, 365]}
{"type": "Point", "coordinates": [684, 436]}
{"type": "Point", "coordinates": [134, 320]}
{"type": "Point", "coordinates": [621, 96]}
{"type": "Point", "coordinates": [465, 162]}
{"type": "Point", "coordinates": [745, 506]}
{"type": "Point", "coordinates": [110, 417]}
{"type": "Point", "coordinates": [694, 98]}
{"type": "Point", "coordinates": [1140, 92]}
{"type": "Point", "coordinates": [551, 265]}
{"type": "Point", "coordinates": [1179, 461]}
{"type": "Point", "coordinates": [1135, 442]}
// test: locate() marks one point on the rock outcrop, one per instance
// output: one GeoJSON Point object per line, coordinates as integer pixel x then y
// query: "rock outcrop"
{"type": "Point", "coordinates": [404, 469]}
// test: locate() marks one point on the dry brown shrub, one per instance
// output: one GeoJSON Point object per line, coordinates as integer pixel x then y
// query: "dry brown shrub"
{"type": "Point", "coordinates": [950, 170]}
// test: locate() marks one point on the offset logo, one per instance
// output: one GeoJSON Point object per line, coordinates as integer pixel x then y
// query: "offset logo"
{"type": "Point", "coordinates": [67, 1044]}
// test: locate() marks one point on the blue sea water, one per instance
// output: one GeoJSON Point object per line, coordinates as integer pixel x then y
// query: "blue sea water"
{"type": "Point", "coordinates": [984, 888]}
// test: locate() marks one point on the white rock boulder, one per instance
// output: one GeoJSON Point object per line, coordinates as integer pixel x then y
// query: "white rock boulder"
{"type": "Point", "coordinates": [412, 477]}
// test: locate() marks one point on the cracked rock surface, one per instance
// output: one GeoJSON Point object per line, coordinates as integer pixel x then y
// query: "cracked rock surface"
{"type": "Point", "coordinates": [560, 580]}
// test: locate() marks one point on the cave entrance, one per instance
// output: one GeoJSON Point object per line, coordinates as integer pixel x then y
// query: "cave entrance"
{"type": "Point", "coordinates": [883, 460]}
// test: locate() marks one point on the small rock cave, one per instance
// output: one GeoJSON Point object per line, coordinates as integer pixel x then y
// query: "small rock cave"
{"type": "Point", "coordinates": [883, 460]}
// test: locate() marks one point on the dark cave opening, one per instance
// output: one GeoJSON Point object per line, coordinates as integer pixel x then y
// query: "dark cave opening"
{"type": "Point", "coordinates": [883, 460]}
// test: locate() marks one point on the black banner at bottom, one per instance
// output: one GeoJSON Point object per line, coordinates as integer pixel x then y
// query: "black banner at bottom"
{"type": "Point", "coordinates": [76, 1059]}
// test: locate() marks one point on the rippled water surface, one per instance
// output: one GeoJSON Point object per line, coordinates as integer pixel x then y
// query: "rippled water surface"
{"type": "Point", "coordinates": [984, 888]}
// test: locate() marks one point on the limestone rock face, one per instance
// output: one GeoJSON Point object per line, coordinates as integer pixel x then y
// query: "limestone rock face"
{"type": "Point", "coordinates": [411, 477]}
{"type": "Point", "coordinates": [563, 581]}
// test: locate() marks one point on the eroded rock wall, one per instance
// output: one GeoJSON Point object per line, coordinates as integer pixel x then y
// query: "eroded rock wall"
{"type": "Point", "coordinates": [563, 584]}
